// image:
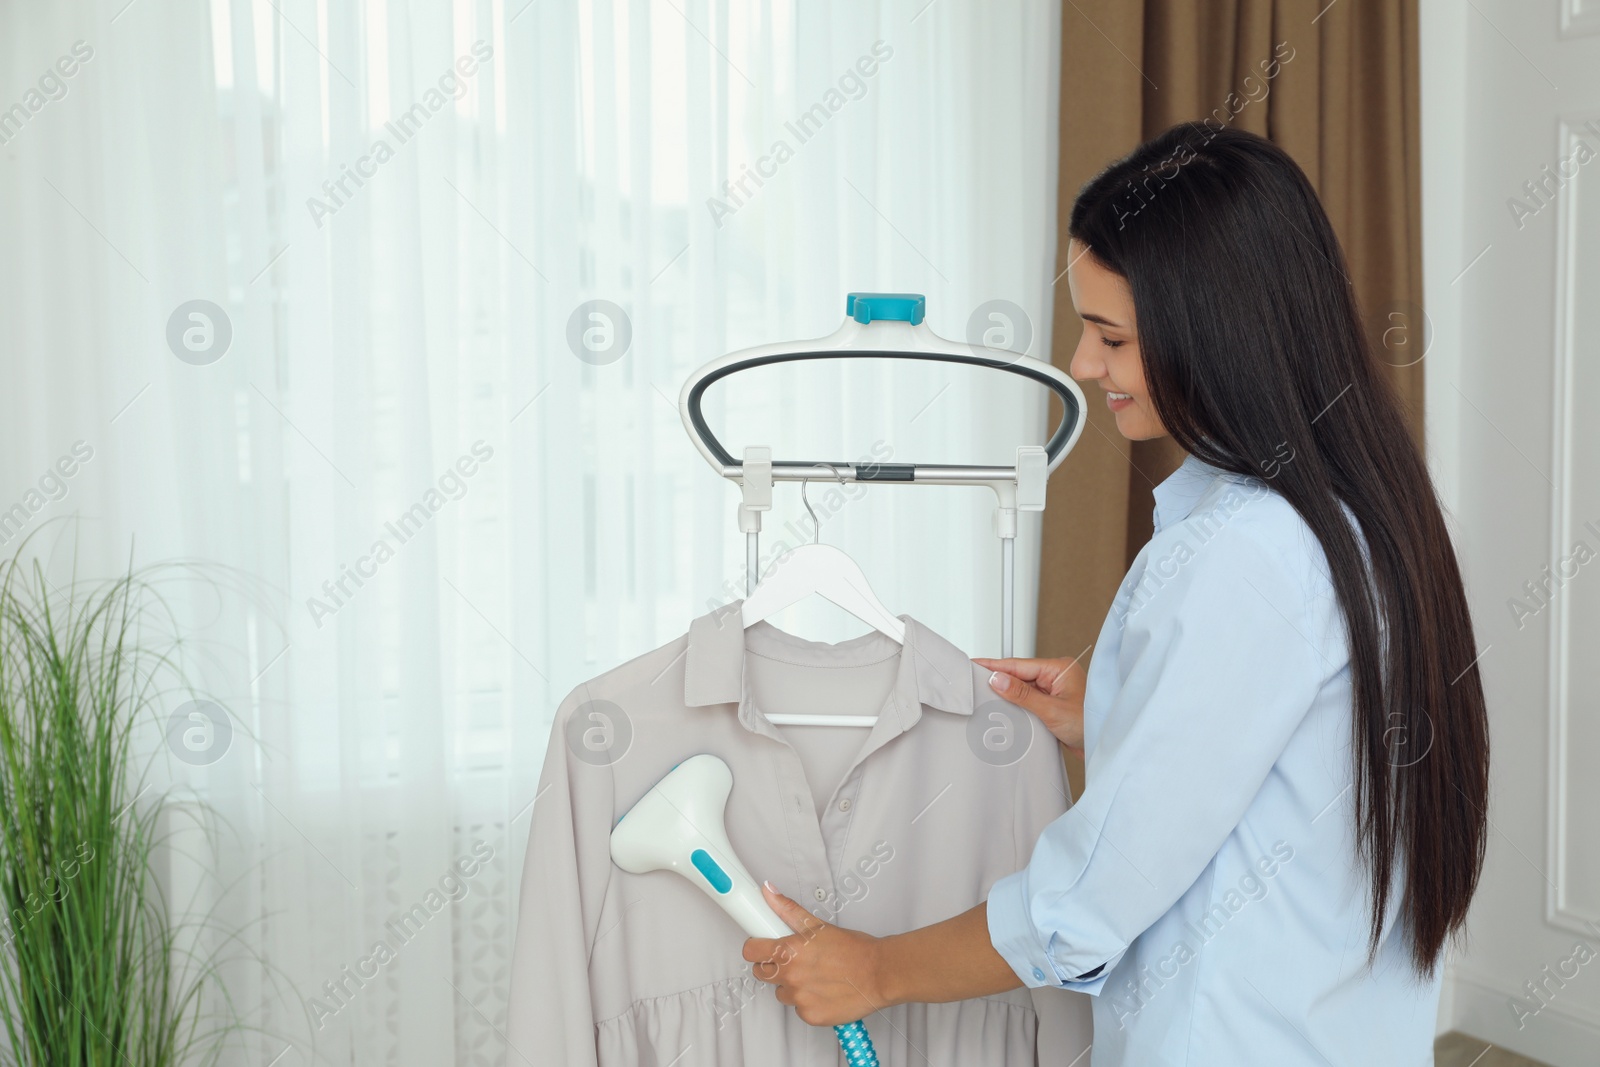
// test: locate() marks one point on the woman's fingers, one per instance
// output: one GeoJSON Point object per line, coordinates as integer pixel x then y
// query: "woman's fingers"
{"type": "Point", "coordinates": [769, 955]}
{"type": "Point", "coordinates": [1057, 677]}
{"type": "Point", "coordinates": [798, 919]}
{"type": "Point", "coordinates": [1025, 695]}
{"type": "Point", "coordinates": [1026, 669]}
{"type": "Point", "coordinates": [1051, 689]}
{"type": "Point", "coordinates": [760, 949]}
{"type": "Point", "coordinates": [1047, 675]}
{"type": "Point", "coordinates": [826, 973]}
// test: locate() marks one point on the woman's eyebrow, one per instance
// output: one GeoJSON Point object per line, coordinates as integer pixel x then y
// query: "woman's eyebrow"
{"type": "Point", "coordinates": [1089, 316]}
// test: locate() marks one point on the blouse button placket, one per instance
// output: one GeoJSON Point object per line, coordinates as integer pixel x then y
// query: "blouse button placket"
{"type": "Point", "coordinates": [807, 836]}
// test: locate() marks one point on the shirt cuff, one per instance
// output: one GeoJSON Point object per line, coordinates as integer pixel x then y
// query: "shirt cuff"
{"type": "Point", "coordinates": [1013, 935]}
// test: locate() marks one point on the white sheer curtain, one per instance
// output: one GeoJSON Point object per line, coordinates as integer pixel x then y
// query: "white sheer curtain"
{"type": "Point", "coordinates": [450, 515]}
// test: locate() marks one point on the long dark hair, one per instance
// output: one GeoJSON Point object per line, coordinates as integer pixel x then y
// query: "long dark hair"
{"type": "Point", "coordinates": [1252, 343]}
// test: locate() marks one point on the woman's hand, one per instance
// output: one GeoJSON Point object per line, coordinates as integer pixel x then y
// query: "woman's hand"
{"type": "Point", "coordinates": [1050, 688]}
{"type": "Point", "coordinates": [828, 974]}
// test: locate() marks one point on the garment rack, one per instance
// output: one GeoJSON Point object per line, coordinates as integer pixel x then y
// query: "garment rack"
{"type": "Point", "coordinates": [889, 326]}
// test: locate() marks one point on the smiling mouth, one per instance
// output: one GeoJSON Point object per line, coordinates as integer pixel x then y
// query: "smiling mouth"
{"type": "Point", "coordinates": [1118, 396]}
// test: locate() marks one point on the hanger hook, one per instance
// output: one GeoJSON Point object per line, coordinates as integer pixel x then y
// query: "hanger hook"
{"type": "Point", "coordinates": [816, 523]}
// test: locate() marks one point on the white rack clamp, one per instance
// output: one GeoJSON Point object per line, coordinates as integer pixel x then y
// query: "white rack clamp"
{"type": "Point", "coordinates": [1024, 493]}
{"type": "Point", "coordinates": [755, 488]}
{"type": "Point", "coordinates": [890, 326]}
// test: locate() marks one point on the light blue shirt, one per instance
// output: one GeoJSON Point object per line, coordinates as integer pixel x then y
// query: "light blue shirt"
{"type": "Point", "coordinates": [1205, 888]}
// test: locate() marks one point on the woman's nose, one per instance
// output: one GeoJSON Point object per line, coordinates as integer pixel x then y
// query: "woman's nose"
{"type": "Point", "coordinates": [1084, 367]}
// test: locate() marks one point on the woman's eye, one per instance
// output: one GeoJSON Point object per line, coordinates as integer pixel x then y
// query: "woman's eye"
{"type": "Point", "coordinates": [1109, 343]}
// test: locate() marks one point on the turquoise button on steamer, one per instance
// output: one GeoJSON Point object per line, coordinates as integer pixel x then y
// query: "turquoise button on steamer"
{"type": "Point", "coordinates": [714, 874]}
{"type": "Point", "coordinates": [886, 307]}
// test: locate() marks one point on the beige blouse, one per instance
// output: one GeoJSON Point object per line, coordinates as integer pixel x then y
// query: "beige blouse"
{"type": "Point", "coordinates": [880, 829]}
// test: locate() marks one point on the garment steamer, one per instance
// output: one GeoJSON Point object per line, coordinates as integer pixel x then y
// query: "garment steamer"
{"type": "Point", "coordinates": [678, 825]}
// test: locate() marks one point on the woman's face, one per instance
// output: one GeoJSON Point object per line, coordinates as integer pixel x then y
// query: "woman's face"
{"type": "Point", "coordinates": [1108, 351]}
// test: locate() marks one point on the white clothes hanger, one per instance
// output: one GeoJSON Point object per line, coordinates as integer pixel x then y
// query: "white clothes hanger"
{"type": "Point", "coordinates": [829, 572]}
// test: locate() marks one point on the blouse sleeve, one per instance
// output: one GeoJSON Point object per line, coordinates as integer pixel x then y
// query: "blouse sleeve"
{"type": "Point", "coordinates": [1219, 665]}
{"type": "Point", "coordinates": [1066, 1028]}
{"type": "Point", "coordinates": [550, 1015]}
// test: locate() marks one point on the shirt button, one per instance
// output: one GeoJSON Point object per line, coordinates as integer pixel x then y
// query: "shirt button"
{"type": "Point", "coordinates": [822, 894]}
{"type": "Point", "coordinates": [844, 805]}
{"type": "Point", "coordinates": [1037, 973]}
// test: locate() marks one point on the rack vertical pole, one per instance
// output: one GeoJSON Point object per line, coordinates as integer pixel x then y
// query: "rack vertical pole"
{"type": "Point", "coordinates": [1008, 591]}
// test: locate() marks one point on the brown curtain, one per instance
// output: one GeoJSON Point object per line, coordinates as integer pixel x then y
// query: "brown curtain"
{"type": "Point", "coordinates": [1343, 102]}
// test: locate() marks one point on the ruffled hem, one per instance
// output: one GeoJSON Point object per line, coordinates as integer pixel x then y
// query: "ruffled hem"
{"type": "Point", "coordinates": [739, 1022]}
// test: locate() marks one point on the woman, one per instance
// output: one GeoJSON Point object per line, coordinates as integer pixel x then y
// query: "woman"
{"type": "Point", "coordinates": [1287, 748]}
